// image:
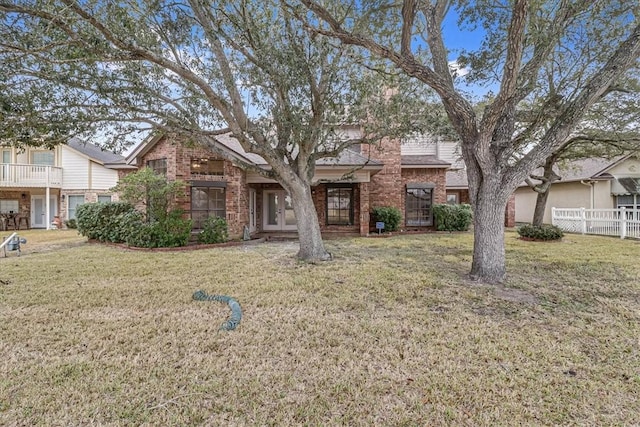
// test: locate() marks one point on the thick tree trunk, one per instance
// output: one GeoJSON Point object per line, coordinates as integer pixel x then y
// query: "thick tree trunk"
{"type": "Point", "coordinates": [311, 244]}
{"type": "Point", "coordinates": [541, 206]}
{"type": "Point", "coordinates": [488, 245]}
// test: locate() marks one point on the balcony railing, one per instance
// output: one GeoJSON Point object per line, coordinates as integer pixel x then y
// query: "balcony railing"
{"type": "Point", "coordinates": [17, 175]}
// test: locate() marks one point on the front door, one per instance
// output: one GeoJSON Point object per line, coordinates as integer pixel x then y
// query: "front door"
{"type": "Point", "coordinates": [38, 208]}
{"type": "Point", "coordinates": [252, 210]}
{"type": "Point", "coordinates": [278, 211]}
{"type": "Point", "coordinates": [6, 167]}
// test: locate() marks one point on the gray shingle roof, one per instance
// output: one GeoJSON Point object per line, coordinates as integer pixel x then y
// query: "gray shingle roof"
{"type": "Point", "coordinates": [583, 169]}
{"type": "Point", "coordinates": [423, 160]}
{"type": "Point", "coordinates": [575, 171]}
{"type": "Point", "coordinates": [345, 158]}
{"type": "Point", "coordinates": [95, 152]}
{"type": "Point", "coordinates": [457, 179]}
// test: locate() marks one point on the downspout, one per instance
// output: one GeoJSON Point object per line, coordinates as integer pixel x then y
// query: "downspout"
{"type": "Point", "coordinates": [591, 193]}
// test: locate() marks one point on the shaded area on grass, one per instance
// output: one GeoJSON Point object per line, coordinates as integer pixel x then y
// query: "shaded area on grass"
{"type": "Point", "coordinates": [389, 333]}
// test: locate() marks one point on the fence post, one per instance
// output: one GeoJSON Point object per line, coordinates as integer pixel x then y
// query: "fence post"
{"type": "Point", "coordinates": [553, 216]}
{"type": "Point", "coordinates": [623, 223]}
{"type": "Point", "coordinates": [583, 220]}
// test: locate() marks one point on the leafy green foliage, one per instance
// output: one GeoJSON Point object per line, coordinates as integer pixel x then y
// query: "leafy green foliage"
{"type": "Point", "coordinates": [150, 192]}
{"type": "Point", "coordinates": [120, 222]}
{"type": "Point", "coordinates": [174, 231]}
{"type": "Point", "coordinates": [71, 223]}
{"type": "Point", "coordinates": [544, 232]}
{"type": "Point", "coordinates": [389, 215]}
{"type": "Point", "coordinates": [214, 230]}
{"type": "Point", "coordinates": [453, 217]}
{"type": "Point", "coordinates": [100, 221]}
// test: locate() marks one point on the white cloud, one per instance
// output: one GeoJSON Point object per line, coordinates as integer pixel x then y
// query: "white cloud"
{"type": "Point", "coordinates": [457, 70]}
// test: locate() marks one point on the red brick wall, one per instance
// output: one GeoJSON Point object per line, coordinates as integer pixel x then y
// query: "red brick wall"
{"type": "Point", "coordinates": [179, 168]}
{"type": "Point", "coordinates": [386, 188]}
{"type": "Point", "coordinates": [435, 176]}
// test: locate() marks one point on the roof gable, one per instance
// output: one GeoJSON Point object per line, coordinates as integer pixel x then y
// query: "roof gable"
{"type": "Point", "coordinates": [95, 153]}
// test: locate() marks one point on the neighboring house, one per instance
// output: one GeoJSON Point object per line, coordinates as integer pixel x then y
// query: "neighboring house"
{"type": "Point", "coordinates": [38, 184]}
{"type": "Point", "coordinates": [345, 189]}
{"type": "Point", "coordinates": [591, 184]}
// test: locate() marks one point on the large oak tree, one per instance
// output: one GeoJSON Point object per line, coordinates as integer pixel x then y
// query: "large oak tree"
{"type": "Point", "coordinates": [193, 70]}
{"type": "Point", "coordinates": [551, 59]}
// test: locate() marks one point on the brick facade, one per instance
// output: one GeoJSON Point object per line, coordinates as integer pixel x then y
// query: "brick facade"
{"type": "Point", "coordinates": [386, 188]}
{"type": "Point", "coordinates": [179, 157]}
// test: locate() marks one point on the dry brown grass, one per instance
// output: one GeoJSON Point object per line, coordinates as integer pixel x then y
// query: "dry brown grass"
{"type": "Point", "coordinates": [389, 333]}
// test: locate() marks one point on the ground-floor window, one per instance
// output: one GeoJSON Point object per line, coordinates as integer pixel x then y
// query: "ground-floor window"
{"type": "Point", "coordinates": [340, 205]}
{"type": "Point", "coordinates": [73, 203]}
{"type": "Point", "coordinates": [453, 198]}
{"type": "Point", "coordinates": [9, 206]}
{"type": "Point", "coordinates": [207, 202]}
{"type": "Point", "coordinates": [418, 203]}
{"type": "Point", "coordinates": [104, 199]}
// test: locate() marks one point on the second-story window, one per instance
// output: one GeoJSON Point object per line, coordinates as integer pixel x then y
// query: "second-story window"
{"type": "Point", "coordinates": [46, 158]}
{"type": "Point", "coordinates": [159, 166]}
{"type": "Point", "coordinates": [203, 166]}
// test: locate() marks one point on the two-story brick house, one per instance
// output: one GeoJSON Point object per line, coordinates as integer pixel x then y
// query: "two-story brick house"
{"type": "Point", "coordinates": [345, 189]}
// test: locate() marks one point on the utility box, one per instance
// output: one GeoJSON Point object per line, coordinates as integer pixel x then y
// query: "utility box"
{"type": "Point", "coordinates": [13, 243]}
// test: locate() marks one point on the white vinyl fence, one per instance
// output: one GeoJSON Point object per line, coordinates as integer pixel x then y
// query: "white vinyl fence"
{"type": "Point", "coordinates": [606, 222]}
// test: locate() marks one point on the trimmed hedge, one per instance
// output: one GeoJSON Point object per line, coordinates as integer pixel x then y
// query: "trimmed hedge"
{"type": "Point", "coordinates": [453, 217]}
{"type": "Point", "coordinates": [100, 221]}
{"type": "Point", "coordinates": [545, 232]}
{"type": "Point", "coordinates": [389, 215]}
{"type": "Point", "coordinates": [119, 222]}
{"type": "Point", "coordinates": [174, 231]}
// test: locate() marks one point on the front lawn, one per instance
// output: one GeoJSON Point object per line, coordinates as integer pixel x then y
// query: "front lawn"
{"type": "Point", "coordinates": [389, 333]}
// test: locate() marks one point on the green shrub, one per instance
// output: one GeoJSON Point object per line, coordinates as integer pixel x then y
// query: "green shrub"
{"type": "Point", "coordinates": [119, 222]}
{"type": "Point", "coordinates": [453, 217]}
{"type": "Point", "coordinates": [214, 230]}
{"type": "Point", "coordinates": [544, 232]}
{"type": "Point", "coordinates": [99, 220]}
{"type": "Point", "coordinates": [389, 215]}
{"type": "Point", "coordinates": [71, 223]}
{"type": "Point", "coordinates": [174, 231]}
{"type": "Point", "coordinates": [153, 194]}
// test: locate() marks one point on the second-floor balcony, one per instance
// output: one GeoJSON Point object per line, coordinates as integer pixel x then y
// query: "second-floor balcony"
{"type": "Point", "coordinates": [21, 175]}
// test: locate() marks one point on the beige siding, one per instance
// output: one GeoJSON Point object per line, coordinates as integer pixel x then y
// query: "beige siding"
{"type": "Point", "coordinates": [449, 151]}
{"type": "Point", "coordinates": [420, 145]}
{"type": "Point", "coordinates": [426, 145]}
{"type": "Point", "coordinates": [564, 195]}
{"type": "Point", "coordinates": [602, 198]}
{"type": "Point", "coordinates": [102, 178]}
{"type": "Point", "coordinates": [75, 173]}
{"type": "Point", "coordinates": [630, 167]}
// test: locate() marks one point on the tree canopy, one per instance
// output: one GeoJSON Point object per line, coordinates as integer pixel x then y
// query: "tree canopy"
{"type": "Point", "coordinates": [194, 70]}
{"type": "Point", "coordinates": [542, 64]}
